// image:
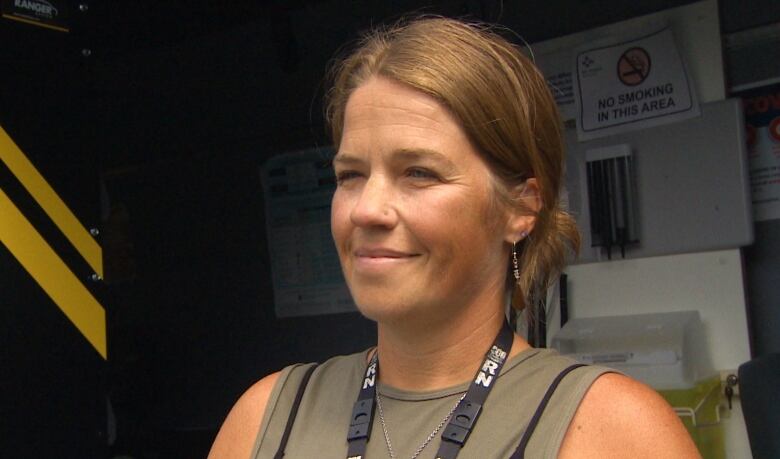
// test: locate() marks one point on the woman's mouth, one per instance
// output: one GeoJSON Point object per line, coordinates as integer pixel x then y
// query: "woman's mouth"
{"type": "Point", "coordinates": [381, 256]}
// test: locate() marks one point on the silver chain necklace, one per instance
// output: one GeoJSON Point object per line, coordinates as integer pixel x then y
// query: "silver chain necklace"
{"type": "Point", "coordinates": [427, 440]}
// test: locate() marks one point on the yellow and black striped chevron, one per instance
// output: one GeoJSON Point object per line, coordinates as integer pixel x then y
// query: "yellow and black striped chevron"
{"type": "Point", "coordinates": [50, 243]}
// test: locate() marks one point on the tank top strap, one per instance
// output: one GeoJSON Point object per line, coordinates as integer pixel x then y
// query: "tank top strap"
{"type": "Point", "coordinates": [520, 451]}
{"type": "Point", "coordinates": [294, 411]}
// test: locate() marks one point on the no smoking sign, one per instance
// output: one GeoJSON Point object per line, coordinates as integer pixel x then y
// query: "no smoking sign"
{"type": "Point", "coordinates": [632, 84]}
{"type": "Point", "coordinates": [633, 66]}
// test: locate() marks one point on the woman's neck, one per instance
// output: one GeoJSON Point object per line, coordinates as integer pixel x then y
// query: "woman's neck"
{"type": "Point", "coordinates": [437, 356]}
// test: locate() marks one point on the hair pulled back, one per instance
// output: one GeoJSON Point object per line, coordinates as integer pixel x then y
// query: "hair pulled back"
{"type": "Point", "coordinates": [504, 106]}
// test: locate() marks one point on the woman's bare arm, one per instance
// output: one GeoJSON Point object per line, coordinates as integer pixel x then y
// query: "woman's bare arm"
{"type": "Point", "coordinates": [237, 434]}
{"type": "Point", "coordinates": [620, 417]}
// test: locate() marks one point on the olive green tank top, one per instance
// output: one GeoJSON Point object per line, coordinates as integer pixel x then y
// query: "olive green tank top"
{"type": "Point", "coordinates": [320, 429]}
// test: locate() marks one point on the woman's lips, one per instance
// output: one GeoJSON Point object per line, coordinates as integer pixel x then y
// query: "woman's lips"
{"type": "Point", "coordinates": [376, 257]}
{"type": "Point", "coordinates": [381, 253]}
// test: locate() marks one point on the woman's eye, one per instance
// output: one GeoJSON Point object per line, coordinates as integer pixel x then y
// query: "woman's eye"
{"type": "Point", "coordinates": [343, 176]}
{"type": "Point", "coordinates": [421, 174]}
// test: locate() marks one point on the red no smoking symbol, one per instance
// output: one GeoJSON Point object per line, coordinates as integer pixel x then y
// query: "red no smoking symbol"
{"type": "Point", "coordinates": [774, 129]}
{"type": "Point", "coordinates": [633, 66]}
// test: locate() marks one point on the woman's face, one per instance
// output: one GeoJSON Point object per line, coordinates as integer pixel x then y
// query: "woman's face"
{"type": "Point", "coordinates": [414, 219]}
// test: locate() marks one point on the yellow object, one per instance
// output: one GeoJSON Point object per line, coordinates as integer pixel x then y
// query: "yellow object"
{"type": "Point", "coordinates": [699, 410]}
{"type": "Point", "coordinates": [51, 273]}
{"type": "Point", "coordinates": [51, 203]}
{"type": "Point", "coordinates": [36, 23]}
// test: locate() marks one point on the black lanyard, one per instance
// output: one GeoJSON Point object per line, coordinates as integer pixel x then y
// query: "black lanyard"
{"type": "Point", "coordinates": [461, 422]}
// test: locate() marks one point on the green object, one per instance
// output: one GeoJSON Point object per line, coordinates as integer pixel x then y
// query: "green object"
{"type": "Point", "coordinates": [699, 410]}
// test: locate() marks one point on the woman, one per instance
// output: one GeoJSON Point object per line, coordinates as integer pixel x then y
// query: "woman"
{"type": "Point", "coordinates": [449, 163]}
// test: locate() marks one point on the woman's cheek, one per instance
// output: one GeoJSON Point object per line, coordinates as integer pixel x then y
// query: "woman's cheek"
{"type": "Point", "coordinates": [339, 218]}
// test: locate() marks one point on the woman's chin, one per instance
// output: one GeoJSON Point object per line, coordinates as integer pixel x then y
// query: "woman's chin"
{"type": "Point", "coordinates": [385, 312]}
{"type": "Point", "coordinates": [377, 312]}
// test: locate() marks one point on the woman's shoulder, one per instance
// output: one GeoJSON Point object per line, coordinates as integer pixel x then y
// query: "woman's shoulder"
{"type": "Point", "coordinates": [621, 417]}
{"type": "Point", "coordinates": [236, 437]}
{"type": "Point", "coordinates": [542, 366]}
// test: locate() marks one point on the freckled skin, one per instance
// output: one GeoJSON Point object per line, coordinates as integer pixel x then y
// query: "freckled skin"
{"type": "Point", "coordinates": [410, 181]}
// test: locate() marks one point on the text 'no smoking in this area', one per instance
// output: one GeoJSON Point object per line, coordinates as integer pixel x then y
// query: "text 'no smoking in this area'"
{"type": "Point", "coordinates": [632, 85]}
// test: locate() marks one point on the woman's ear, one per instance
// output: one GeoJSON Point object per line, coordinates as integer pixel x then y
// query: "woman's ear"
{"type": "Point", "coordinates": [527, 202]}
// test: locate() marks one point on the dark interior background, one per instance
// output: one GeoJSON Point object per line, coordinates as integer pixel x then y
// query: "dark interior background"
{"type": "Point", "coordinates": [151, 119]}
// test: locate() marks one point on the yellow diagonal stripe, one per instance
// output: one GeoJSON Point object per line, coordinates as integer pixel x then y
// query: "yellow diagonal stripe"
{"type": "Point", "coordinates": [36, 23]}
{"type": "Point", "coordinates": [51, 273]}
{"type": "Point", "coordinates": [50, 202]}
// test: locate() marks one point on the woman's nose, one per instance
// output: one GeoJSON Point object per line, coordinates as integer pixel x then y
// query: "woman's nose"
{"type": "Point", "coordinates": [374, 207]}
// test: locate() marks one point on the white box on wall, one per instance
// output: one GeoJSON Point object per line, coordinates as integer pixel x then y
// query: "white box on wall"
{"type": "Point", "coordinates": [709, 282]}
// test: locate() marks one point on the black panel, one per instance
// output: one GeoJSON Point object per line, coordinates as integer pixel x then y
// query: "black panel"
{"type": "Point", "coordinates": [739, 15]}
{"type": "Point", "coordinates": [763, 287]}
{"type": "Point", "coordinates": [52, 380]}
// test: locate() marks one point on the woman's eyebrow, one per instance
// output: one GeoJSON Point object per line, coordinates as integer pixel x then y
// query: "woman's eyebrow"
{"type": "Point", "coordinates": [346, 158]}
{"type": "Point", "coordinates": [400, 155]}
{"type": "Point", "coordinates": [411, 154]}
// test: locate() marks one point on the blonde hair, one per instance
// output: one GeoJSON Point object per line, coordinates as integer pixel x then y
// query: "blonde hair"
{"type": "Point", "coordinates": [504, 106]}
